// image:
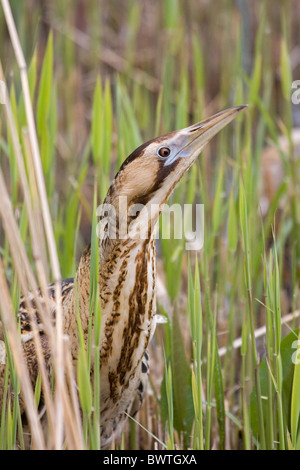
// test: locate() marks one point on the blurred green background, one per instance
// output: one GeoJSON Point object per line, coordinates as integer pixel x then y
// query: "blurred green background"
{"type": "Point", "coordinates": [106, 76]}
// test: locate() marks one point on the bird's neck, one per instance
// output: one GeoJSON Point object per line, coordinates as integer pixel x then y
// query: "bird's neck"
{"type": "Point", "coordinates": [127, 275]}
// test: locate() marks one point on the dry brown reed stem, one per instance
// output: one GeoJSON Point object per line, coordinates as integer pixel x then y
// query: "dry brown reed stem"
{"type": "Point", "coordinates": [27, 281]}
{"type": "Point", "coordinates": [58, 351]}
{"type": "Point", "coordinates": [62, 358]}
{"type": "Point", "coordinates": [9, 320]}
{"type": "Point", "coordinates": [76, 434]}
{"type": "Point", "coordinates": [30, 282]}
{"type": "Point", "coordinates": [37, 247]}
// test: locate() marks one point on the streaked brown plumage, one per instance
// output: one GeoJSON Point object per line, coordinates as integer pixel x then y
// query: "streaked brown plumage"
{"type": "Point", "coordinates": [127, 272]}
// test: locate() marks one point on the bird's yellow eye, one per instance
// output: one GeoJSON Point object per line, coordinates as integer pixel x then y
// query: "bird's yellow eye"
{"type": "Point", "coordinates": [164, 152]}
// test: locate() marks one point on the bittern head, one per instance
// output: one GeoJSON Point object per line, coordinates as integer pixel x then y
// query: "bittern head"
{"type": "Point", "coordinates": [151, 172]}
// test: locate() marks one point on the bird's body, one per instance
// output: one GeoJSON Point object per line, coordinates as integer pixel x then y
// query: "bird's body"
{"type": "Point", "coordinates": [127, 272]}
{"type": "Point", "coordinates": [127, 291]}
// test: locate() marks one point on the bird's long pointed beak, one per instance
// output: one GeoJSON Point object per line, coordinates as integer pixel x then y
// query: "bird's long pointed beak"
{"type": "Point", "coordinates": [191, 140]}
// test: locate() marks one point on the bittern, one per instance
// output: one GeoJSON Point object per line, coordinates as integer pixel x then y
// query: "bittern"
{"type": "Point", "coordinates": [127, 272]}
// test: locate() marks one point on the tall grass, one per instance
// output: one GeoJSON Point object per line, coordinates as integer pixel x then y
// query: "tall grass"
{"type": "Point", "coordinates": [204, 391]}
